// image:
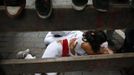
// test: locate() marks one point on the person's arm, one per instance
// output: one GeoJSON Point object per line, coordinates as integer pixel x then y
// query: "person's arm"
{"type": "Point", "coordinates": [104, 49]}
{"type": "Point", "coordinates": [87, 48]}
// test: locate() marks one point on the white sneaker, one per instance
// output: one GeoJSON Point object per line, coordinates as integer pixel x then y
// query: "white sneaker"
{"type": "Point", "coordinates": [23, 54]}
{"type": "Point", "coordinates": [29, 56]}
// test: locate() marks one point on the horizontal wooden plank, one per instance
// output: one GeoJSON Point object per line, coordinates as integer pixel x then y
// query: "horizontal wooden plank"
{"type": "Point", "coordinates": [68, 19]}
{"type": "Point", "coordinates": [66, 64]}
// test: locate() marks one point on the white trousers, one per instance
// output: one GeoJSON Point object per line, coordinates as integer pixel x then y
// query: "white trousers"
{"type": "Point", "coordinates": [50, 36]}
{"type": "Point", "coordinates": [67, 34]}
{"type": "Point", "coordinates": [53, 50]}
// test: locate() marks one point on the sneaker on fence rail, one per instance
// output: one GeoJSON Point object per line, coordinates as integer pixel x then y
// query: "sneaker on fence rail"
{"type": "Point", "coordinates": [101, 5]}
{"type": "Point", "coordinates": [79, 5]}
{"type": "Point", "coordinates": [43, 8]}
{"type": "Point", "coordinates": [14, 7]}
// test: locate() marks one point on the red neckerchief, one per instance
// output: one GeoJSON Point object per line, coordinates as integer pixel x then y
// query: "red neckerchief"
{"type": "Point", "coordinates": [65, 51]}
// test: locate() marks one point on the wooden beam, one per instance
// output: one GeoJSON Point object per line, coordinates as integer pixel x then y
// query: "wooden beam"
{"type": "Point", "coordinates": [68, 19]}
{"type": "Point", "coordinates": [65, 64]}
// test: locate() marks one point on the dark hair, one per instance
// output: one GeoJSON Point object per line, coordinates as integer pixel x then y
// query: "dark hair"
{"type": "Point", "coordinates": [95, 38]}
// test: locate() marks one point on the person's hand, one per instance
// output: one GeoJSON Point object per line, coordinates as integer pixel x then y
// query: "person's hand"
{"type": "Point", "coordinates": [106, 51]}
{"type": "Point", "coordinates": [72, 45]}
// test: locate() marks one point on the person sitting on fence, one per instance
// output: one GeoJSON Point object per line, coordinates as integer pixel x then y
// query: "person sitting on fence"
{"type": "Point", "coordinates": [77, 43]}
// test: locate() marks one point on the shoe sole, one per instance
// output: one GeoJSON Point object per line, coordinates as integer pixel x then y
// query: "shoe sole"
{"type": "Point", "coordinates": [19, 11]}
{"type": "Point", "coordinates": [78, 8]}
{"type": "Point", "coordinates": [102, 10]}
{"type": "Point", "coordinates": [45, 17]}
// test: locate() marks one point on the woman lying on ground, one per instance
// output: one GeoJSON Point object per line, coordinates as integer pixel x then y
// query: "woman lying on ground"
{"type": "Point", "coordinates": [75, 43]}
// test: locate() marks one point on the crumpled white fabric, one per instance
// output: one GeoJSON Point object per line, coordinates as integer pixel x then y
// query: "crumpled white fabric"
{"type": "Point", "coordinates": [104, 45]}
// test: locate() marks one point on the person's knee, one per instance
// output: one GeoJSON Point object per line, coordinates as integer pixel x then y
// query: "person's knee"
{"type": "Point", "coordinates": [48, 40]}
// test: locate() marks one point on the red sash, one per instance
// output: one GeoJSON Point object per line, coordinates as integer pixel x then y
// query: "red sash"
{"type": "Point", "coordinates": [65, 51]}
